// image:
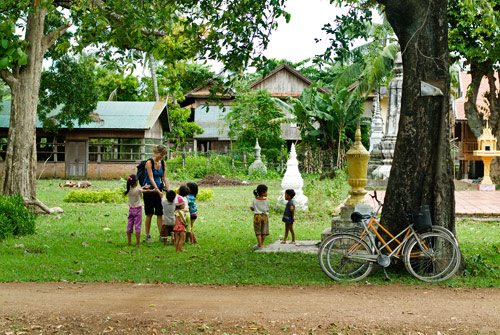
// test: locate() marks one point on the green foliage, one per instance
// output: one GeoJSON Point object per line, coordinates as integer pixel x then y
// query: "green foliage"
{"type": "Point", "coordinates": [103, 195]}
{"type": "Point", "coordinates": [12, 48]}
{"type": "Point", "coordinates": [325, 195]}
{"type": "Point", "coordinates": [249, 120]}
{"type": "Point", "coordinates": [15, 219]}
{"type": "Point", "coordinates": [204, 194]}
{"type": "Point", "coordinates": [116, 85]}
{"type": "Point", "coordinates": [70, 85]}
{"type": "Point", "coordinates": [198, 166]}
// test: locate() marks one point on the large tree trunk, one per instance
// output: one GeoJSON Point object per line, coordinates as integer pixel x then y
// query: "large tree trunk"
{"type": "Point", "coordinates": [20, 162]}
{"type": "Point", "coordinates": [422, 166]}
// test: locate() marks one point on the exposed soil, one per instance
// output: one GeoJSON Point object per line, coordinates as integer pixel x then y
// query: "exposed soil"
{"type": "Point", "coordinates": [117, 308]}
{"type": "Point", "coordinates": [461, 185]}
{"type": "Point", "coordinates": [218, 180]}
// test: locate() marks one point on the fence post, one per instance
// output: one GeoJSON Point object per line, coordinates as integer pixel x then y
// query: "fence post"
{"type": "Point", "coordinates": [245, 160]}
{"type": "Point", "coordinates": [232, 159]}
{"type": "Point", "coordinates": [183, 159]}
{"type": "Point", "coordinates": [208, 159]}
{"type": "Point", "coordinates": [99, 158]}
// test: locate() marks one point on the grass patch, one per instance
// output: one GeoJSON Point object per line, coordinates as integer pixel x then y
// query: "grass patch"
{"type": "Point", "coordinates": [88, 243]}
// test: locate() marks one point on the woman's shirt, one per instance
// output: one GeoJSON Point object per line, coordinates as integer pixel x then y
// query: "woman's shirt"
{"type": "Point", "coordinates": [157, 174]}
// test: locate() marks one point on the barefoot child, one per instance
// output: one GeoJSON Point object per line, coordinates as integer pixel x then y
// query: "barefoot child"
{"type": "Point", "coordinates": [193, 208]}
{"type": "Point", "coordinates": [180, 224]}
{"type": "Point", "coordinates": [260, 208]}
{"type": "Point", "coordinates": [183, 191]}
{"type": "Point", "coordinates": [167, 228]}
{"type": "Point", "coordinates": [289, 215]}
{"type": "Point", "coordinates": [135, 207]}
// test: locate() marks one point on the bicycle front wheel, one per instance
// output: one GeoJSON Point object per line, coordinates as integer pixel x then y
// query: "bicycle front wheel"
{"type": "Point", "coordinates": [432, 257]}
{"type": "Point", "coordinates": [345, 257]}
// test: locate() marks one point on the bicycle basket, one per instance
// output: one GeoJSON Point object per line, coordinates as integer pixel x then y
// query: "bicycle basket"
{"type": "Point", "coordinates": [422, 222]}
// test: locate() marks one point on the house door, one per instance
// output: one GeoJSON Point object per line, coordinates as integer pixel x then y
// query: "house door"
{"type": "Point", "coordinates": [76, 159]}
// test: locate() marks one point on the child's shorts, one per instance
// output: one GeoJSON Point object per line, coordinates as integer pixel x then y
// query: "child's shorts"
{"type": "Point", "coordinates": [166, 231]}
{"type": "Point", "coordinates": [261, 224]}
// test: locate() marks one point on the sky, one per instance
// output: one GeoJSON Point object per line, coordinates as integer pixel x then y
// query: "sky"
{"type": "Point", "coordinates": [295, 41]}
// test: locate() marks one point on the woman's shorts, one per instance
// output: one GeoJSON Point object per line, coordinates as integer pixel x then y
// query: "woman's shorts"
{"type": "Point", "coordinates": [261, 224]}
{"type": "Point", "coordinates": [152, 203]}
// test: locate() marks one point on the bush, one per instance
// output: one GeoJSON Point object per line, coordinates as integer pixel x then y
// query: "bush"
{"type": "Point", "coordinates": [15, 219]}
{"type": "Point", "coordinates": [204, 194]}
{"type": "Point", "coordinates": [105, 195]}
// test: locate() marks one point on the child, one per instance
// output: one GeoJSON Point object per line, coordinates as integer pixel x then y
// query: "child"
{"type": "Point", "coordinates": [193, 208]}
{"type": "Point", "coordinates": [180, 224]}
{"type": "Point", "coordinates": [183, 191]}
{"type": "Point", "coordinates": [135, 208]}
{"type": "Point", "coordinates": [260, 208]}
{"type": "Point", "coordinates": [289, 215]}
{"type": "Point", "coordinates": [167, 228]}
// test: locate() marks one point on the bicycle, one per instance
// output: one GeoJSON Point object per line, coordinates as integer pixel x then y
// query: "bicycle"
{"type": "Point", "coordinates": [430, 256]}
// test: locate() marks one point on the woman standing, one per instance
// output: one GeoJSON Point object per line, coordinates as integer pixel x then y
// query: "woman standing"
{"type": "Point", "coordinates": [156, 172]}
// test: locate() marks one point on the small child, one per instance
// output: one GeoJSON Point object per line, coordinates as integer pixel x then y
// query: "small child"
{"type": "Point", "coordinates": [183, 191]}
{"type": "Point", "coordinates": [135, 208]}
{"type": "Point", "coordinates": [167, 228]}
{"type": "Point", "coordinates": [260, 208]}
{"type": "Point", "coordinates": [289, 215]}
{"type": "Point", "coordinates": [193, 208]}
{"type": "Point", "coordinates": [180, 224]}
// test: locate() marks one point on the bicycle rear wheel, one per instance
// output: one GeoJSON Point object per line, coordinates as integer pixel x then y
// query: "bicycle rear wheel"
{"type": "Point", "coordinates": [433, 257]}
{"type": "Point", "coordinates": [345, 257]}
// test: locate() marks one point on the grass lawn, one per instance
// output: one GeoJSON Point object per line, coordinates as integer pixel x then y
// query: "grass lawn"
{"type": "Point", "coordinates": [88, 243]}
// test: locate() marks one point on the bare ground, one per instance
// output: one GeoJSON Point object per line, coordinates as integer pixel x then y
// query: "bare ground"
{"type": "Point", "coordinates": [120, 308]}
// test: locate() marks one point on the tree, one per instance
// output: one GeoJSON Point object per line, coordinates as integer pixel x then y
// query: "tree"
{"type": "Point", "coordinates": [475, 37]}
{"type": "Point", "coordinates": [249, 120]}
{"type": "Point", "coordinates": [170, 30]}
{"type": "Point", "coordinates": [422, 166]}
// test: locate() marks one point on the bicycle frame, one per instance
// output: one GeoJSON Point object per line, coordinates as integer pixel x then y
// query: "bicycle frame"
{"type": "Point", "coordinates": [369, 230]}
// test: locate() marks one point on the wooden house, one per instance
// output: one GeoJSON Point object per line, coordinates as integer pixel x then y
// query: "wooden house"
{"type": "Point", "coordinates": [283, 82]}
{"type": "Point", "coordinates": [110, 147]}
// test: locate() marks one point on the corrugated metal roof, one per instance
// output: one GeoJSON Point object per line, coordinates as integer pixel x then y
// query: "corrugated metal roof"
{"type": "Point", "coordinates": [116, 115]}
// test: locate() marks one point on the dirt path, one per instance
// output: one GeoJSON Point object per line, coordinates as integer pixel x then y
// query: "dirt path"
{"type": "Point", "coordinates": [97, 308]}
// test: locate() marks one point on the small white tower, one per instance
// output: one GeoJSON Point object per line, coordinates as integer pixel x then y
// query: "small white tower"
{"type": "Point", "coordinates": [257, 163]}
{"type": "Point", "coordinates": [293, 180]}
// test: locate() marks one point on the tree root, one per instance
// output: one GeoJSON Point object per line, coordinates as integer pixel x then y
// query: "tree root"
{"type": "Point", "coordinates": [40, 208]}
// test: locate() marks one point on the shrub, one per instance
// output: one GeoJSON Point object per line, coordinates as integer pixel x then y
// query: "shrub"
{"type": "Point", "coordinates": [204, 194]}
{"type": "Point", "coordinates": [15, 219]}
{"type": "Point", "coordinates": [105, 195]}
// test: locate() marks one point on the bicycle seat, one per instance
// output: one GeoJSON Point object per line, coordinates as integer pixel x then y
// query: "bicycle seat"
{"type": "Point", "coordinates": [358, 217]}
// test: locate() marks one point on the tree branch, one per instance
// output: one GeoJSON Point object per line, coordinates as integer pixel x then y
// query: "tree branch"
{"type": "Point", "coordinates": [53, 35]}
{"type": "Point", "coordinates": [120, 18]}
{"type": "Point", "coordinates": [8, 77]}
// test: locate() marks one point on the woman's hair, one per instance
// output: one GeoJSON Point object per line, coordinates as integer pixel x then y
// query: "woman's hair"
{"type": "Point", "coordinates": [160, 149]}
{"type": "Point", "coordinates": [183, 191]}
{"type": "Point", "coordinates": [193, 189]}
{"type": "Point", "coordinates": [290, 192]}
{"type": "Point", "coordinates": [171, 196]}
{"type": "Point", "coordinates": [131, 180]}
{"type": "Point", "coordinates": [261, 189]}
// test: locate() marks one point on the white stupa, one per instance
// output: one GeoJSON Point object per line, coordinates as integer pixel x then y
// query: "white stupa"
{"type": "Point", "coordinates": [293, 180]}
{"type": "Point", "coordinates": [257, 163]}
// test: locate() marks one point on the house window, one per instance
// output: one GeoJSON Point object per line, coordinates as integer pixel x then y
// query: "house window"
{"type": "Point", "coordinates": [120, 149]}
{"type": "Point", "coordinates": [49, 149]}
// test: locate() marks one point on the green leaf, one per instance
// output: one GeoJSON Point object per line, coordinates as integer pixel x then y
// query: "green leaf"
{"type": "Point", "coordinates": [4, 63]}
{"type": "Point", "coordinates": [5, 44]}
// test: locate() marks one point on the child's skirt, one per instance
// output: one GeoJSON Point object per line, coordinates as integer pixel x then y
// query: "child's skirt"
{"type": "Point", "coordinates": [179, 225]}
